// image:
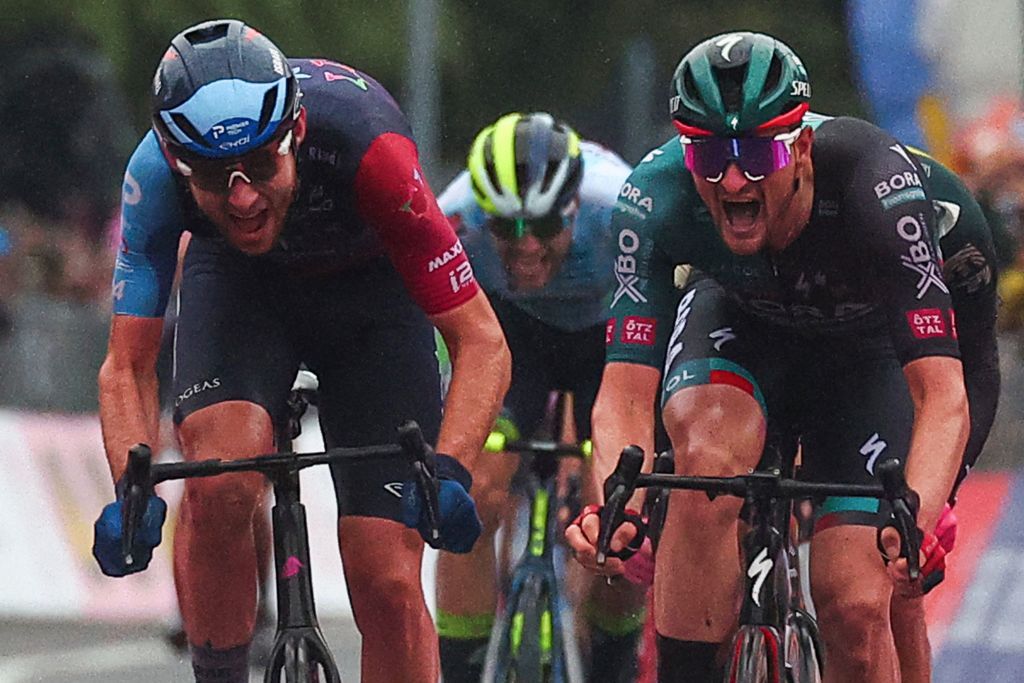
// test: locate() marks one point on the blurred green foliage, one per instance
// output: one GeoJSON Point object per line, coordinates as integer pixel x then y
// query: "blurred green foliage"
{"type": "Point", "coordinates": [494, 55]}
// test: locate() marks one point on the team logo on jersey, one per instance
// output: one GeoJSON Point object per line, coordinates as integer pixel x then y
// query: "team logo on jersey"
{"type": "Point", "coordinates": [636, 200]}
{"type": "Point", "coordinates": [919, 256]}
{"type": "Point", "coordinates": [899, 189]}
{"type": "Point", "coordinates": [625, 269]}
{"type": "Point", "coordinates": [639, 330]}
{"type": "Point", "coordinates": [927, 323]}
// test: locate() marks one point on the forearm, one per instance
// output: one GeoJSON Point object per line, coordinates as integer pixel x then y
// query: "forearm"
{"type": "Point", "coordinates": [129, 411]}
{"type": "Point", "coordinates": [941, 428]}
{"type": "Point", "coordinates": [481, 372]}
{"type": "Point", "coordinates": [621, 417]}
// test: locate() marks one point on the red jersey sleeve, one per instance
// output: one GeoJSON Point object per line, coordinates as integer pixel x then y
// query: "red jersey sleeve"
{"type": "Point", "coordinates": [394, 199]}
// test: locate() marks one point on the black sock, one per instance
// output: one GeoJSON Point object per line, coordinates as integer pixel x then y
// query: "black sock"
{"type": "Point", "coordinates": [462, 659]}
{"type": "Point", "coordinates": [220, 666]}
{"type": "Point", "coordinates": [687, 661]}
{"type": "Point", "coordinates": [613, 657]}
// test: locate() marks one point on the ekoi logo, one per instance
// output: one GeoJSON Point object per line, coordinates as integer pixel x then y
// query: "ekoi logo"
{"type": "Point", "coordinates": [292, 567]}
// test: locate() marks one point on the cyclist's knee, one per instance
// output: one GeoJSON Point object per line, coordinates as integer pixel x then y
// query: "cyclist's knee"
{"type": "Point", "coordinates": [383, 596]}
{"type": "Point", "coordinates": [227, 502]}
{"type": "Point", "coordinates": [854, 613]}
{"type": "Point", "coordinates": [715, 430]}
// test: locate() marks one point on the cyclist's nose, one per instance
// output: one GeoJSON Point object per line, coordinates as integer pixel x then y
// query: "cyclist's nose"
{"type": "Point", "coordinates": [241, 193]}
{"type": "Point", "coordinates": [733, 180]}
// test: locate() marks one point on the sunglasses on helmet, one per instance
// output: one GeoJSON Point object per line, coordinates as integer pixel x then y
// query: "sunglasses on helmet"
{"type": "Point", "coordinates": [758, 157]}
{"type": "Point", "coordinates": [217, 175]}
{"type": "Point", "coordinates": [543, 228]}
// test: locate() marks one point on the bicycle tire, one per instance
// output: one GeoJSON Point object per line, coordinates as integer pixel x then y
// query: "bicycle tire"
{"type": "Point", "coordinates": [526, 643]}
{"type": "Point", "coordinates": [755, 656]}
{"type": "Point", "coordinates": [805, 654]}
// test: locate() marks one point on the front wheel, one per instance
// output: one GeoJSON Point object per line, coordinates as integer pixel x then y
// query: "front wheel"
{"type": "Point", "coordinates": [755, 656]}
{"type": "Point", "coordinates": [805, 656]}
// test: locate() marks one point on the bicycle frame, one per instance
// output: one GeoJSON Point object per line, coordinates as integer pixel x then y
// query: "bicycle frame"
{"type": "Point", "coordinates": [528, 641]}
{"type": "Point", "coordinates": [759, 647]}
{"type": "Point", "coordinates": [299, 645]}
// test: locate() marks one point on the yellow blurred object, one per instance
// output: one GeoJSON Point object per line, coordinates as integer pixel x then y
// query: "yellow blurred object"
{"type": "Point", "coordinates": [934, 120]}
{"type": "Point", "coordinates": [1011, 294]}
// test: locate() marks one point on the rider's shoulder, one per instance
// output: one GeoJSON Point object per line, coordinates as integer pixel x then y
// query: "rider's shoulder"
{"type": "Point", "coordinates": [343, 100]}
{"type": "Point", "coordinates": [659, 188]}
{"type": "Point", "coordinates": [148, 179]}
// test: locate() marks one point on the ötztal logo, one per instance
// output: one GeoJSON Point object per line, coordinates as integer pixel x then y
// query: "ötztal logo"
{"type": "Point", "coordinates": [638, 330]}
{"type": "Point", "coordinates": [927, 323]}
{"type": "Point", "coordinates": [919, 256]}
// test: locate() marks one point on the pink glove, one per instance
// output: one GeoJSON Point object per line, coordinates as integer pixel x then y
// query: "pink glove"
{"type": "Point", "coordinates": [945, 529]}
{"type": "Point", "coordinates": [639, 569]}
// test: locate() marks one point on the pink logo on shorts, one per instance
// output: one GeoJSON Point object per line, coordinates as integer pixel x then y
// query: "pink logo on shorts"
{"type": "Point", "coordinates": [292, 567]}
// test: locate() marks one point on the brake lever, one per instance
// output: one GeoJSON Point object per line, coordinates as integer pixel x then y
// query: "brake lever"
{"type": "Point", "coordinates": [904, 502]}
{"type": "Point", "coordinates": [421, 455]}
{"type": "Point", "coordinates": [136, 488]}
{"type": "Point", "coordinates": [618, 489]}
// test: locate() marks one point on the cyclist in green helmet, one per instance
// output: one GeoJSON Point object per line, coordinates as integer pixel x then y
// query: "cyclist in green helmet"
{"type": "Point", "coordinates": [789, 267]}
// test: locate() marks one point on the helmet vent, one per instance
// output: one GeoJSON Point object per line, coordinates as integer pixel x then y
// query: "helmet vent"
{"type": "Point", "coordinates": [267, 110]}
{"type": "Point", "coordinates": [730, 84]}
{"type": "Point", "coordinates": [207, 34]}
{"type": "Point", "coordinates": [774, 75]}
{"type": "Point", "coordinates": [186, 126]}
{"type": "Point", "coordinates": [690, 84]}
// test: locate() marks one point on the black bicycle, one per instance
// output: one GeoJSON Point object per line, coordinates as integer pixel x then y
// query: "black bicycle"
{"type": "Point", "coordinates": [300, 653]}
{"type": "Point", "coordinates": [777, 640]}
{"type": "Point", "coordinates": [529, 641]}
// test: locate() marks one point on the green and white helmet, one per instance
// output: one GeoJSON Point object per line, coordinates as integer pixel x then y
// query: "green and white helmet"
{"type": "Point", "coordinates": [735, 83]}
{"type": "Point", "coordinates": [525, 166]}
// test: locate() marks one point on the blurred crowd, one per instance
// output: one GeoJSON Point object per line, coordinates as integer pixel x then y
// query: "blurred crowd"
{"type": "Point", "coordinates": [65, 148]}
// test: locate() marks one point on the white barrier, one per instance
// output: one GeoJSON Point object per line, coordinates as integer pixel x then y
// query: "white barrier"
{"type": "Point", "coordinates": [54, 481]}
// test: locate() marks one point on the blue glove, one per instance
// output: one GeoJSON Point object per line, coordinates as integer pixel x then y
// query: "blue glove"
{"type": "Point", "coordinates": [458, 522]}
{"type": "Point", "coordinates": [106, 547]}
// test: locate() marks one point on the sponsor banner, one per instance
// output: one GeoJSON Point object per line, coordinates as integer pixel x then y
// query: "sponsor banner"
{"type": "Point", "coordinates": [638, 330]}
{"type": "Point", "coordinates": [926, 323]}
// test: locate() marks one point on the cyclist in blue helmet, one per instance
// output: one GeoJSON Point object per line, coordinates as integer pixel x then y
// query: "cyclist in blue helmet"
{"type": "Point", "coordinates": [315, 239]}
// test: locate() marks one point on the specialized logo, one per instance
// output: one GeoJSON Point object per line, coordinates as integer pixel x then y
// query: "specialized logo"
{"type": "Point", "coordinates": [638, 330]}
{"type": "Point", "coordinates": [197, 388]}
{"type": "Point", "coordinates": [394, 488]}
{"type": "Point", "coordinates": [800, 89]}
{"type": "Point", "coordinates": [759, 569]}
{"type": "Point", "coordinates": [919, 256]}
{"type": "Point", "coordinates": [442, 260]}
{"type": "Point", "coordinates": [722, 337]}
{"type": "Point", "coordinates": [927, 323]}
{"type": "Point", "coordinates": [727, 43]}
{"type": "Point", "coordinates": [903, 153]}
{"type": "Point", "coordinates": [804, 284]}
{"type": "Point", "coordinates": [654, 153]}
{"type": "Point", "coordinates": [625, 269]}
{"type": "Point", "coordinates": [675, 344]}
{"type": "Point", "coordinates": [872, 449]}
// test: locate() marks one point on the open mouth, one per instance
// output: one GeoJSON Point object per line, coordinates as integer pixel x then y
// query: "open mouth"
{"type": "Point", "coordinates": [741, 214]}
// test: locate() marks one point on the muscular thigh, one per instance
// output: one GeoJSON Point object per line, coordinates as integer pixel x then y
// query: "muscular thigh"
{"type": "Point", "coordinates": [373, 351]}
{"type": "Point", "coordinates": [231, 340]}
{"type": "Point", "coordinates": [856, 411]}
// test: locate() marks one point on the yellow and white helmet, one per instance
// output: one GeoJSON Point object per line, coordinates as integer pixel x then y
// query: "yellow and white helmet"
{"type": "Point", "coordinates": [525, 166]}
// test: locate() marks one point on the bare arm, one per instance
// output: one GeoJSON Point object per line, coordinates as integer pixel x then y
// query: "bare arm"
{"type": "Point", "coordinates": [129, 402]}
{"type": "Point", "coordinates": [941, 427]}
{"type": "Point", "coordinates": [481, 372]}
{"type": "Point", "coordinates": [623, 415]}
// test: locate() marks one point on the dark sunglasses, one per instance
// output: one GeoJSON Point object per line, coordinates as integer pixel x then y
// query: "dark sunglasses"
{"type": "Point", "coordinates": [217, 175]}
{"type": "Point", "coordinates": [543, 228]}
{"type": "Point", "coordinates": [709, 156]}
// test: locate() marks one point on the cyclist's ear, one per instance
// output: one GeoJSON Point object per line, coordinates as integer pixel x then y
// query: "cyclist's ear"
{"type": "Point", "coordinates": [299, 132]}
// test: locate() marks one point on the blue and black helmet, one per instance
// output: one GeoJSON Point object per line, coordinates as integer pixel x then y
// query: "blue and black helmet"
{"type": "Point", "coordinates": [221, 90]}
